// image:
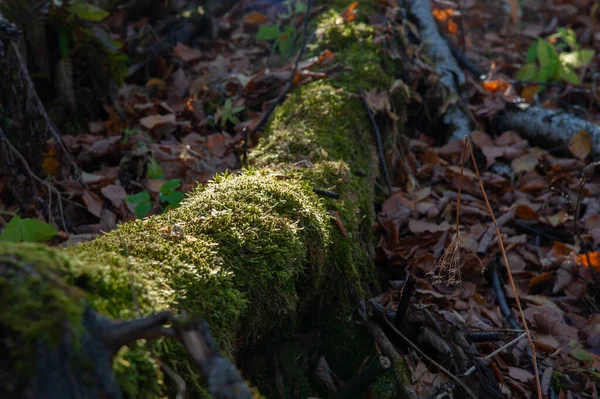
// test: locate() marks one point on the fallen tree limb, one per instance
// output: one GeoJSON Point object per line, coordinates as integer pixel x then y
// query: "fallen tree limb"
{"type": "Point", "coordinates": [445, 65]}
{"type": "Point", "coordinates": [549, 125]}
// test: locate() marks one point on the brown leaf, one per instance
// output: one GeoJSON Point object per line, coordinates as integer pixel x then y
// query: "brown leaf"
{"type": "Point", "coordinates": [151, 121]}
{"type": "Point", "coordinates": [92, 202]}
{"type": "Point", "coordinates": [419, 226]}
{"type": "Point", "coordinates": [186, 53]}
{"type": "Point", "coordinates": [540, 279]}
{"type": "Point", "coordinates": [524, 163]}
{"type": "Point", "coordinates": [481, 139]}
{"type": "Point", "coordinates": [525, 212]}
{"type": "Point", "coordinates": [520, 374]}
{"type": "Point", "coordinates": [556, 219]}
{"type": "Point", "coordinates": [115, 193]}
{"type": "Point", "coordinates": [580, 145]}
{"type": "Point", "coordinates": [256, 18]}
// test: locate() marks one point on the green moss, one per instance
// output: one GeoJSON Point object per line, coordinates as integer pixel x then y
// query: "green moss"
{"type": "Point", "coordinates": [257, 253]}
{"type": "Point", "coordinates": [35, 302]}
{"type": "Point", "coordinates": [389, 385]}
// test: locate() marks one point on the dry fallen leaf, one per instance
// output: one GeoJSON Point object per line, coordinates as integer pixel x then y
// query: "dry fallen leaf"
{"type": "Point", "coordinates": [115, 193]}
{"type": "Point", "coordinates": [580, 145]}
{"type": "Point", "coordinates": [524, 163]}
{"type": "Point", "coordinates": [520, 374]}
{"type": "Point", "coordinates": [151, 121]}
{"type": "Point", "coordinates": [420, 226]}
{"type": "Point", "coordinates": [349, 12]}
{"type": "Point", "coordinates": [185, 53]}
{"type": "Point", "coordinates": [594, 259]}
{"type": "Point", "coordinates": [93, 203]}
{"type": "Point", "coordinates": [557, 219]}
{"type": "Point", "coordinates": [256, 18]}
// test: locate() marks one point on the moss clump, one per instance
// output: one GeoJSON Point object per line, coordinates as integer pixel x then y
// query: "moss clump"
{"type": "Point", "coordinates": [257, 253]}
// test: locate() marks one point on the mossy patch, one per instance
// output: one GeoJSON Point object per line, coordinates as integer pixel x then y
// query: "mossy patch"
{"type": "Point", "coordinates": [257, 253]}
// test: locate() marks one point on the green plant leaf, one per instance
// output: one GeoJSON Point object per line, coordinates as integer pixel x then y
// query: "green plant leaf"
{"type": "Point", "coordinates": [578, 58]}
{"type": "Point", "coordinates": [37, 231]}
{"type": "Point", "coordinates": [139, 197]}
{"type": "Point", "coordinates": [27, 230]}
{"type": "Point", "coordinates": [233, 119]}
{"type": "Point", "coordinates": [154, 171]}
{"type": "Point", "coordinates": [142, 209]}
{"type": "Point", "coordinates": [87, 11]}
{"type": "Point", "coordinates": [531, 53]}
{"type": "Point", "coordinates": [173, 198]}
{"type": "Point", "coordinates": [581, 355]}
{"type": "Point", "coordinates": [547, 55]}
{"type": "Point", "coordinates": [238, 109]}
{"type": "Point", "coordinates": [568, 36]}
{"type": "Point", "coordinates": [569, 75]}
{"type": "Point", "coordinates": [267, 32]}
{"type": "Point", "coordinates": [285, 44]}
{"type": "Point", "coordinates": [169, 186]}
{"type": "Point", "coordinates": [528, 72]}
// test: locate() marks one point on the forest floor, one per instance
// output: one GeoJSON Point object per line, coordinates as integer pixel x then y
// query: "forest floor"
{"type": "Point", "coordinates": [188, 118]}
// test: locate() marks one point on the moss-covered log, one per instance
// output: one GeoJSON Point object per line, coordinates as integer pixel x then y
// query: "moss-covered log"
{"type": "Point", "coordinates": [256, 253]}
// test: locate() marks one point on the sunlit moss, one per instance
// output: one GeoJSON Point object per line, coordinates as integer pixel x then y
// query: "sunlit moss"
{"type": "Point", "coordinates": [257, 253]}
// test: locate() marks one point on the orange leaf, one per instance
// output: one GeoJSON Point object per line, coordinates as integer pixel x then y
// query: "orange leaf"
{"type": "Point", "coordinates": [495, 86]}
{"type": "Point", "coordinates": [452, 27]}
{"type": "Point", "coordinates": [529, 92]}
{"type": "Point", "coordinates": [326, 57]}
{"type": "Point", "coordinates": [349, 12]}
{"type": "Point", "coordinates": [256, 18]}
{"type": "Point", "coordinates": [50, 162]}
{"type": "Point", "coordinates": [540, 279]}
{"type": "Point", "coordinates": [442, 15]}
{"type": "Point", "coordinates": [594, 260]}
{"type": "Point", "coordinates": [525, 212]}
{"type": "Point", "coordinates": [580, 145]}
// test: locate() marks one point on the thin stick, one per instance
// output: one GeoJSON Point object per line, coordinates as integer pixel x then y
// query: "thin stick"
{"type": "Point", "coordinates": [436, 364]}
{"type": "Point", "coordinates": [50, 187]}
{"type": "Point", "coordinates": [494, 353]}
{"type": "Point", "coordinates": [378, 141]}
{"type": "Point", "coordinates": [509, 273]}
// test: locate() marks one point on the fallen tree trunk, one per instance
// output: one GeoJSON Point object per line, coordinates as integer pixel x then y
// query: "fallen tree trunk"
{"type": "Point", "coordinates": [451, 76]}
{"type": "Point", "coordinates": [550, 125]}
{"type": "Point", "coordinates": [255, 253]}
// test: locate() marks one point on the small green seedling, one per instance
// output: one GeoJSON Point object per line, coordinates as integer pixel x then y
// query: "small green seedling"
{"type": "Point", "coordinates": [154, 170]}
{"type": "Point", "coordinates": [142, 203]}
{"type": "Point", "coordinates": [227, 114]}
{"type": "Point", "coordinates": [284, 38]}
{"type": "Point", "coordinates": [555, 62]}
{"type": "Point", "coordinates": [27, 230]}
{"type": "Point", "coordinates": [168, 195]}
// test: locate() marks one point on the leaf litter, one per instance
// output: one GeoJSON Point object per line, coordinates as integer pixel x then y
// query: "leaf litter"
{"type": "Point", "coordinates": [187, 121]}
